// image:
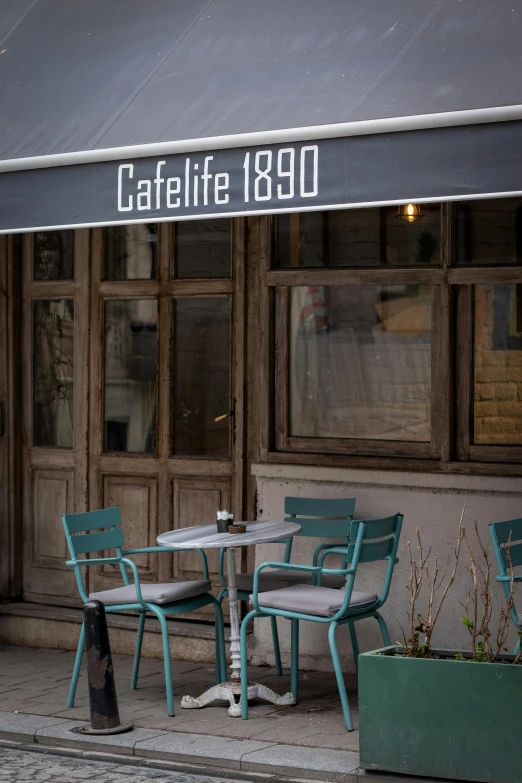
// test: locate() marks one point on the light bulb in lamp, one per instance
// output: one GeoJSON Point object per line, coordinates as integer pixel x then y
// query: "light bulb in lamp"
{"type": "Point", "coordinates": [410, 212]}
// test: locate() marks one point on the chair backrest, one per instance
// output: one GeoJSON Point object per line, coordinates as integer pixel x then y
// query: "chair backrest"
{"type": "Point", "coordinates": [81, 540]}
{"type": "Point", "coordinates": [381, 541]}
{"type": "Point", "coordinates": [507, 544]}
{"type": "Point", "coordinates": [319, 518]}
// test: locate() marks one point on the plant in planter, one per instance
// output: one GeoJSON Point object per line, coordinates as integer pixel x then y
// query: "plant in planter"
{"type": "Point", "coordinates": [445, 713]}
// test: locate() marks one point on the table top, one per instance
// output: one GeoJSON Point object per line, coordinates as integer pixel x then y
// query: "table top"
{"type": "Point", "coordinates": [207, 536]}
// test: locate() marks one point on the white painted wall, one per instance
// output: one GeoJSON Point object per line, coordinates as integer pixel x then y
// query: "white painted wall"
{"type": "Point", "coordinates": [431, 502]}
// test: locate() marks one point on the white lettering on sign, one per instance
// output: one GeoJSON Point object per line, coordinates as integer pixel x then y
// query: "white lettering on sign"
{"type": "Point", "coordinates": [130, 168]}
{"type": "Point", "coordinates": [268, 176]}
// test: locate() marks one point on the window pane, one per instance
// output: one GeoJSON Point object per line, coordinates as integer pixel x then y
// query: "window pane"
{"type": "Point", "coordinates": [201, 390]}
{"type": "Point", "coordinates": [53, 372]}
{"type": "Point", "coordinates": [360, 360]}
{"type": "Point", "coordinates": [202, 248]}
{"type": "Point", "coordinates": [498, 364]}
{"type": "Point", "coordinates": [357, 238]}
{"type": "Point", "coordinates": [131, 353]}
{"type": "Point", "coordinates": [53, 255]}
{"type": "Point", "coordinates": [490, 232]}
{"type": "Point", "coordinates": [131, 252]}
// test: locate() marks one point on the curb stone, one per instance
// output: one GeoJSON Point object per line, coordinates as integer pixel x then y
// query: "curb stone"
{"type": "Point", "coordinates": [201, 754]}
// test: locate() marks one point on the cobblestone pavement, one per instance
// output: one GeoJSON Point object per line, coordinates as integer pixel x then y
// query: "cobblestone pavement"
{"type": "Point", "coordinates": [17, 766]}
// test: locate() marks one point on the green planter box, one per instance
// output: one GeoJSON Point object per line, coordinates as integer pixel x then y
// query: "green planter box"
{"type": "Point", "coordinates": [441, 718]}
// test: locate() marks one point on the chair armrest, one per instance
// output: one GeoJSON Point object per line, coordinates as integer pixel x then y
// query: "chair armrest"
{"type": "Point", "coordinates": [116, 560]}
{"type": "Point", "coordinates": [320, 548]}
{"type": "Point", "coordinates": [288, 567]}
{"type": "Point", "coordinates": [94, 561]}
{"type": "Point", "coordinates": [142, 549]}
{"type": "Point", "coordinates": [514, 578]}
{"type": "Point", "coordinates": [148, 549]}
{"type": "Point", "coordinates": [334, 550]}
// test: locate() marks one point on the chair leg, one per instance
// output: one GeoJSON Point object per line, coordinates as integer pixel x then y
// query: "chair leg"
{"type": "Point", "coordinates": [517, 646]}
{"type": "Point", "coordinates": [137, 651]}
{"type": "Point", "coordinates": [166, 658]}
{"type": "Point", "coordinates": [294, 654]}
{"type": "Point", "coordinates": [339, 676]}
{"type": "Point", "coordinates": [77, 665]}
{"type": "Point", "coordinates": [244, 655]}
{"type": "Point", "coordinates": [221, 656]}
{"type": "Point", "coordinates": [384, 629]}
{"type": "Point", "coordinates": [355, 645]}
{"type": "Point", "coordinates": [277, 651]}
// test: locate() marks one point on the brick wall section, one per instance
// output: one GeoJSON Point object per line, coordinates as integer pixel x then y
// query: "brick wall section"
{"type": "Point", "coordinates": [497, 378]}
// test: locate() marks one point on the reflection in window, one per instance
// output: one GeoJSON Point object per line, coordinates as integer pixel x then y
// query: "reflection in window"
{"type": "Point", "coordinates": [131, 252]}
{"type": "Point", "coordinates": [498, 364]}
{"type": "Point", "coordinates": [360, 362]}
{"type": "Point", "coordinates": [53, 255]}
{"type": "Point", "coordinates": [131, 352]}
{"type": "Point", "coordinates": [202, 248]}
{"type": "Point", "coordinates": [357, 238]}
{"type": "Point", "coordinates": [53, 372]}
{"type": "Point", "coordinates": [490, 232]}
{"type": "Point", "coordinates": [201, 383]}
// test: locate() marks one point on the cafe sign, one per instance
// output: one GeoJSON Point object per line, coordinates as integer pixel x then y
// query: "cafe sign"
{"type": "Point", "coordinates": [434, 164]}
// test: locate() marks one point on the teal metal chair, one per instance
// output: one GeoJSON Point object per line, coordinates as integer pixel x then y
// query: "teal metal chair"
{"type": "Point", "coordinates": [319, 518]}
{"type": "Point", "coordinates": [503, 535]}
{"type": "Point", "coordinates": [162, 600]}
{"type": "Point", "coordinates": [370, 540]}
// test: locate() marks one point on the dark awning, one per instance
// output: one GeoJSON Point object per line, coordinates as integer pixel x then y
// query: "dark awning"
{"type": "Point", "coordinates": [119, 111]}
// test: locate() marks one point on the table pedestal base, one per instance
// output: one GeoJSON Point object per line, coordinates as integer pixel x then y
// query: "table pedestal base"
{"type": "Point", "coordinates": [231, 692]}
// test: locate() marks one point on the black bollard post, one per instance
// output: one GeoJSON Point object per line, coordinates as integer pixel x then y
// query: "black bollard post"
{"type": "Point", "coordinates": [103, 702]}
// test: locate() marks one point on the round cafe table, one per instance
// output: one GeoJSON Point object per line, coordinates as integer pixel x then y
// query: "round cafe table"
{"type": "Point", "coordinates": [207, 537]}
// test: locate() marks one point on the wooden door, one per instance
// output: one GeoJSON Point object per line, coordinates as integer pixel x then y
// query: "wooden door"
{"type": "Point", "coordinates": [55, 361]}
{"type": "Point", "coordinates": [166, 380]}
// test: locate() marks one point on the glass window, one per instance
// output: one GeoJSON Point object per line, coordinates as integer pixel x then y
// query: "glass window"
{"type": "Point", "coordinates": [357, 238]}
{"type": "Point", "coordinates": [53, 255]}
{"type": "Point", "coordinates": [203, 248]}
{"type": "Point", "coordinates": [201, 382]}
{"type": "Point", "coordinates": [131, 356]}
{"type": "Point", "coordinates": [360, 362]}
{"type": "Point", "coordinates": [131, 252]}
{"type": "Point", "coordinates": [53, 372]}
{"type": "Point", "coordinates": [490, 232]}
{"type": "Point", "coordinates": [498, 364]}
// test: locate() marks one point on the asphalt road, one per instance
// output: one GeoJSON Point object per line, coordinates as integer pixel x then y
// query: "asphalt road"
{"type": "Point", "coordinates": [19, 766]}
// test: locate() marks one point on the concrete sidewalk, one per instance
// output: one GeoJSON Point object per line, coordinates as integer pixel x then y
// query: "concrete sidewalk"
{"type": "Point", "coordinates": [307, 741]}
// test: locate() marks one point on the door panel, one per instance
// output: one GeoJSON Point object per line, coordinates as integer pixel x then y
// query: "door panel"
{"type": "Point", "coordinates": [53, 496]}
{"type": "Point", "coordinates": [137, 498]}
{"type": "Point", "coordinates": [55, 362]}
{"type": "Point", "coordinates": [195, 503]}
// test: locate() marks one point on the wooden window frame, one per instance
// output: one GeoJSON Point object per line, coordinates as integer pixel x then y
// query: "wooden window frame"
{"type": "Point", "coordinates": [164, 289]}
{"type": "Point", "coordinates": [466, 450]}
{"type": "Point", "coordinates": [450, 448]}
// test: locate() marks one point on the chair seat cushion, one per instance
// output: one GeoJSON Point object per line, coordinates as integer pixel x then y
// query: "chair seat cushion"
{"type": "Point", "coordinates": [154, 594]}
{"type": "Point", "coordinates": [276, 580]}
{"type": "Point", "coordinates": [312, 599]}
